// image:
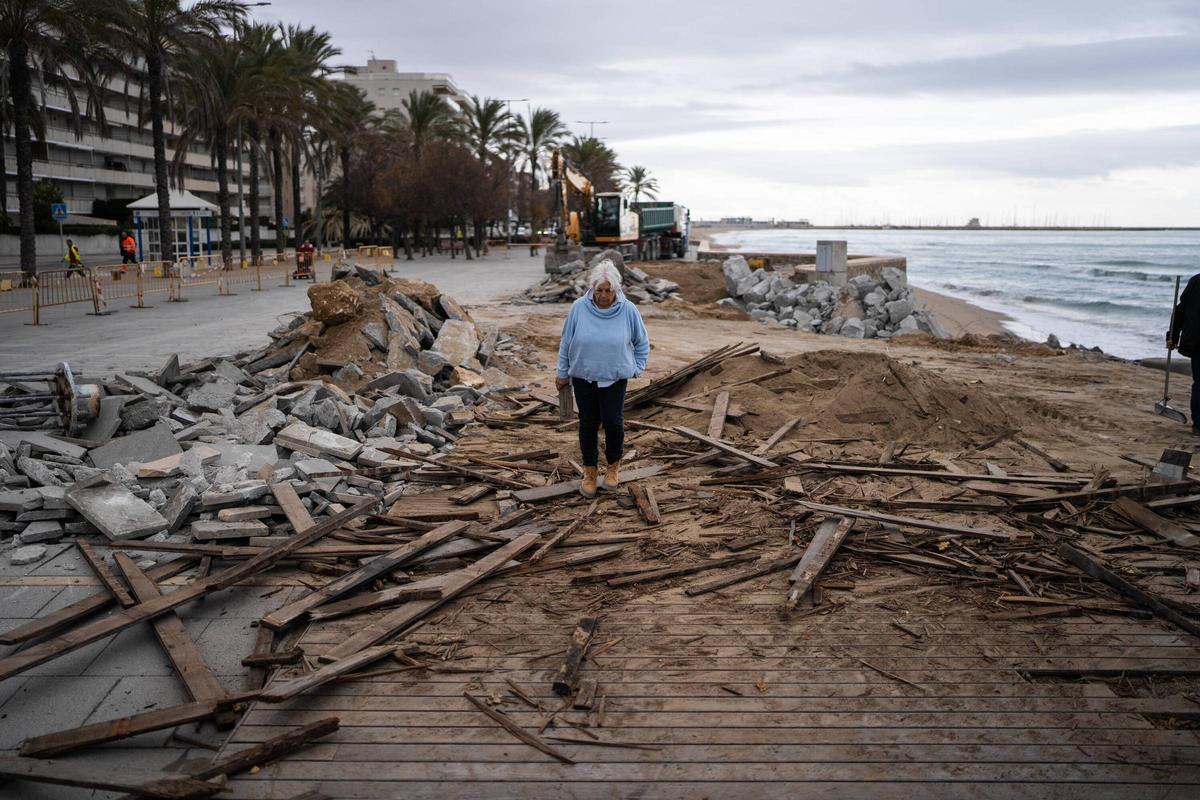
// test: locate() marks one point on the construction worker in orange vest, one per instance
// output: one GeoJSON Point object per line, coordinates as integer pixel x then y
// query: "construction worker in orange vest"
{"type": "Point", "coordinates": [128, 250]}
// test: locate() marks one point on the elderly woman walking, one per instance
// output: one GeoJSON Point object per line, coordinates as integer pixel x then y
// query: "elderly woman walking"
{"type": "Point", "coordinates": [604, 344]}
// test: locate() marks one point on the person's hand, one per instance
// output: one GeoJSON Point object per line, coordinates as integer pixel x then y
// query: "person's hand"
{"type": "Point", "coordinates": [561, 382]}
{"type": "Point", "coordinates": [1171, 343]}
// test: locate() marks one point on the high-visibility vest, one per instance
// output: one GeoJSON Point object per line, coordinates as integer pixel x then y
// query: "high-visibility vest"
{"type": "Point", "coordinates": [128, 245]}
{"type": "Point", "coordinates": [72, 257]}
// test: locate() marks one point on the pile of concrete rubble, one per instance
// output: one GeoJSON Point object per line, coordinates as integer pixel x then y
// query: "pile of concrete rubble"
{"type": "Point", "coordinates": [865, 308]}
{"type": "Point", "coordinates": [568, 282]}
{"type": "Point", "coordinates": [177, 454]}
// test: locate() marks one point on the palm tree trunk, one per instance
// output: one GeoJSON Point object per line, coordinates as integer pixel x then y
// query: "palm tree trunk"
{"type": "Point", "coordinates": [3, 169]}
{"type": "Point", "coordinates": [166, 231]}
{"type": "Point", "coordinates": [345, 155]}
{"type": "Point", "coordinates": [319, 210]}
{"type": "Point", "coordinates": [255, 222]}
{"type": "Point", "coordinates": [21, 82]}
{"type": "Point", "coordinates": [295, 196]}
{"type": "Point", "coordinates": [277, 185]}
{"type": "Point", "coordinates": [223, 205]}
{"type": "Point", "coordinates": [533, 226]}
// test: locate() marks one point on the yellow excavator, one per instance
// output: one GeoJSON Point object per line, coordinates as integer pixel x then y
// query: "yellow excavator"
{"type": "Point", "coordinates": [648, 230]}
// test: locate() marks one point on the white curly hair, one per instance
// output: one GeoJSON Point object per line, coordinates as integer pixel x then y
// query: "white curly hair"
{"type": "Point", "coordinates": [605, 272]}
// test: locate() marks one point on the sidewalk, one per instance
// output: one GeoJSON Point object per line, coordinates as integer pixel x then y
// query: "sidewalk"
{"type": "Point", "coordinates": [210, 325]}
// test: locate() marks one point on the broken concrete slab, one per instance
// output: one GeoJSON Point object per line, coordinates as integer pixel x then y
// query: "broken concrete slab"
{"type": "Point", "coordinates": [137, 415]}
{"type": "Point", "coordinates": [452, 309]}
{"type": "Point", "coordinates": [239, 496]}
{"type": "Point", "coordinates": [316, 442]}
{"type": "Point", "coordinates": [179, 506]}
{"type": "Point", "coordinates": [28, 554]}
{"type": "Point", "coordinates": [246, 513]}
{"type": "Point", "coordinates": [376, 334]}
{"type": "Point", "coordinates": [41, 442]}
{"type": "Point", "coordinates": [105, 425]}
{"type": "Point", "coordinates": [145, 386]}
{"type": "Point", "coordinates": [249, 456]}
{"type": "Point", "coordinates": [308, 467]}
{"type": "Point", "coordinates": [169, 465]}
{"type": "Point", "coordinates": [168, 373]}
{"type": "Point", "coordinates": [19, 500]}
{"type": "Point", "coordinates": [203, 530]}
{"type": "Point", "coordinates": [43, 531]}
{"type": "Point", "coordinates": [458, 341]}
{"type": "Point", "coordinates": [117, 512]}
{"type": "Point", "coordinates": [38, 472]}
{"type": "Point", "coordinates": [213, 396]}
{"type": "Point", "coordinates": [142, 446]}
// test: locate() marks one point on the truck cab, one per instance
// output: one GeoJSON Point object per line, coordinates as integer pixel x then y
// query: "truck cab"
{"type": "Point", "coordinates": [614, 220]}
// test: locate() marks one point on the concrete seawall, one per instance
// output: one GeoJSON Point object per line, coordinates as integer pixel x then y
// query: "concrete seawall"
{"type": "Point", "coordinates": [805, 264]}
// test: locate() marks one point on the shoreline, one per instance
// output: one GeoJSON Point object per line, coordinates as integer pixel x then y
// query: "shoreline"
{"type": "Point", "coordinates": [960, 317]}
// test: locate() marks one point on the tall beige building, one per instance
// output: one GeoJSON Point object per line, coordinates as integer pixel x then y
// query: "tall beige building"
{"type": "Point", "coordinates": [387, 87]}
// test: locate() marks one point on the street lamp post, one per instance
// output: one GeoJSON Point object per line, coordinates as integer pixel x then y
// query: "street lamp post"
{"type": "Point", "coordinates": [591, 123]}
{"type": "Point", "coordinates": [508, 222]}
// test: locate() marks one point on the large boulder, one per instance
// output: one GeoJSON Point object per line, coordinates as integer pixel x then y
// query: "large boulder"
{"type": "Point", "coordinates": [898, 309]}
{"type": "Point", "coordinates": [334, 302]}
{"type": "Point", "coordinates": [614, 256]}
{"type": "Point", "coordinates": [458, 341]}
{"type": "Point", "coordinates": [893, 278]}
{"type": "Point", "coordinates": [735, 269]}
{"type": "Point", "coordinates": [853, 328]}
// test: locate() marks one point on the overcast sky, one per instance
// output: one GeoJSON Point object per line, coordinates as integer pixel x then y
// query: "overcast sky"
{"type": "Point", "coordinates": [889, 111]}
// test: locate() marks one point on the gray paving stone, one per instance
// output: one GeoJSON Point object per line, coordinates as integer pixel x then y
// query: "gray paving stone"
{"type": "Point", "coordinates": [133, 695]}
{"type": "Point", "coordinates": [136, 652]}
{"type": "Point", "coordinates": [25, 602]}
{"type": "Point", "coordinates": [28, 711]}
{"type": "Point", "coordinates": [27, 554]}
{"type": "Point", "coordinates": [117, 511]}
{"type": "Point", "coordinates": [157, 441]}
{"type": "Point", "coordinates": [225, 642]}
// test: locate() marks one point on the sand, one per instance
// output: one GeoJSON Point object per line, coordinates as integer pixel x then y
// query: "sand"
{"type": "Point", "coordinates": [959, 317]}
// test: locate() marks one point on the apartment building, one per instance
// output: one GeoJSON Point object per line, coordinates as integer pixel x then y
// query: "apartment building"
{"type": "Point", "coordinates": [115, 161]}
{"type": "Point", "coordinates": [387, 87]}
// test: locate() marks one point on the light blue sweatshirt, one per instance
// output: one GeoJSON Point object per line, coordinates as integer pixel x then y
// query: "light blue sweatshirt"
{"type": "Point", "coordinates": [603, 344]}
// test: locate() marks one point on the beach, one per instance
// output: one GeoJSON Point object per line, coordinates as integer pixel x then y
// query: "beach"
{"type": "Point", "coordinates": [960, 317]}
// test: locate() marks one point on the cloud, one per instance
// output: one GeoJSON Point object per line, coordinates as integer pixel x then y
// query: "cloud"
{"type": "Point", "coordinates": [1149, 63]}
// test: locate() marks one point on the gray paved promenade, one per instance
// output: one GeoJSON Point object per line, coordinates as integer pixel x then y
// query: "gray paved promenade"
{"type": "Point", "coordinates": [210, 325]}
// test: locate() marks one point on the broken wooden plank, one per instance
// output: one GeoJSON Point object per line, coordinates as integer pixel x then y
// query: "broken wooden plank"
{"type": "Point", "coordinates": [672, 572]}
{"type": "Point", "coordinates": [1139, 491]}
{"type": "Point", "coordinates": [562, 535]}
{"type": "Point", "coordinates": [647, 506]}
{"type": "Point", "coordinates": [293, 507]}
{"type": "Point", "coordinates": [1054, 463]}
{"type": "Point", "coordinates": [539, 493]}
{"type": "Point", "coordinates": [273, 659]}
{"type": "Point", "coordinates": [531, 739]}
{"type": "Point", "coordinates": [568, 671]}
{"type": "Point", "coordinates": [910, 522]}
{"type": "Point", "coordinates": [728, 449]}
{"type": "Point", "coordinates": [455, 583]}
{"type": "Point", "coordinates": [284, 690]}
{"type": "Point", "coordinates": [1145, 599]}
{"type": "Point", "coordinates": [1149, 521]}
{"type": "Point", "coordinates": [89, 605]}
{"type": "Point", "coordinates": [106, 576]}
{"type": "Point", "coordinates": [270, 750]}
{"type": "Point", "coordinates": [930, 474]}
{"type": "Point", "coordinates": [774, 438]}
{"type": "Point", "coordinates": [38, 654]}
{"type": "Point", "coordinates": [586, 696]}
{"type": "Point", "coordinates": [470, 493]}
{"type": "Point", "coordinates": [716, 423]}
{"type": "Point", "coordinates": [198, 678]}
{"type": "Point", "coordinates": [92, 776]}
{"type": "Point", "coordinates": [487, 477]}
{"type": "Point", "coordinates": [376, 568]}
{"type": "Point", "coordinates": [49, 745]}
{"type": "Point", "coordinates": [829, 537]}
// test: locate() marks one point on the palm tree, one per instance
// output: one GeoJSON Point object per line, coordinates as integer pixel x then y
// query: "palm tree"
{"type": "Point", "coordinates": [351, 115]}
{"type": "Point", "coordinates": [596, 160]}
{"type": "Point", "coordinates": [638, 181]}
{"type": "Point", "coordinates": [58, 36]}
{"type": "Point", "coordinates": [215, 80]}
{"type": "Point", "coordinates": [541, 133]}
{"type": "Point", "coordinates": [493, 134]}
{"type": "Point", "coordinates": [306, 53]}
{"type": "Point", "coordinates": [430, 118]}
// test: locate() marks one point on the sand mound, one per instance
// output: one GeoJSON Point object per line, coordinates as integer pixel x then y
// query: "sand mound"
{"type": "Point", "coordinates": [865, 395]}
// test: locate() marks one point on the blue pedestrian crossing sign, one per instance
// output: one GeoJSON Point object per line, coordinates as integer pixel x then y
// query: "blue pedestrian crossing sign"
{"type": "Point", "coordinates": [58, 211]}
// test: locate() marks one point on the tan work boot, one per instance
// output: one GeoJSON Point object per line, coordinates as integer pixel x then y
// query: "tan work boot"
{"type": "Point", "coordinates": [612, 477]}
{"type": "Point", "coordinates": [587, 486]}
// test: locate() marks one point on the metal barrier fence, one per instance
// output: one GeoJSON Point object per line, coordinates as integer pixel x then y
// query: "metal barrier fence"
{"type": "Point", "coordinates": [104, 283]}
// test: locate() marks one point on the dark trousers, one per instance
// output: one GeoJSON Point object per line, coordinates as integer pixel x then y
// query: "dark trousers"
{"type": "Point", "coordinates": [1196, 393]}
{"type": "Point", "coordinates": [600, 407]}
{"type": "Point", "coordinates": [129, 258]}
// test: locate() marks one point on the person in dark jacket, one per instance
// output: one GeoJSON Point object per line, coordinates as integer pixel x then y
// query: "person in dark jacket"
{"type": "Point", "coordinates": [1185, 335]}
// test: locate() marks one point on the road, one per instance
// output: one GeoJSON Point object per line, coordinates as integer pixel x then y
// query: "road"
{"type": "Point", "coordinates": [208, 324]}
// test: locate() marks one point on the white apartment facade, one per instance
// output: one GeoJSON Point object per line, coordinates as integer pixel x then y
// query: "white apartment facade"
{"type": "Point", "coordinates": [387, 87]}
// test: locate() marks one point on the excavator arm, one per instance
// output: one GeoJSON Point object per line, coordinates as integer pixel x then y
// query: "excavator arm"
{"type": "Point", "coordinates": [567, 179]}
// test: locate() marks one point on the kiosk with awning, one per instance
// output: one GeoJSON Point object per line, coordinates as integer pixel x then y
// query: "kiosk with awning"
{"type": "Point", "coordinates": [191, 222]}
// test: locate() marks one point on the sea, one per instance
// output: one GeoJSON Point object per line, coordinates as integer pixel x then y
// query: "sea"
{"type": "Point", "coordinates": [1106, 289]}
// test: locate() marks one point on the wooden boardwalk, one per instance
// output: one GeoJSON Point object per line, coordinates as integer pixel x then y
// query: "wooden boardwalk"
{"type": "Point", "coordinates": [729, 699]}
